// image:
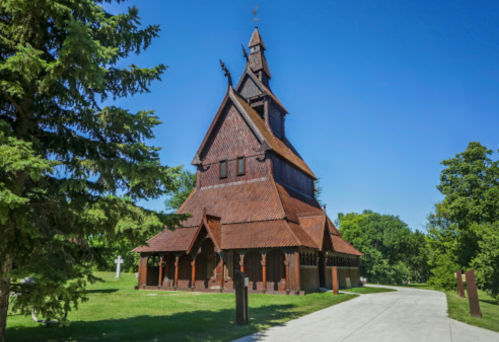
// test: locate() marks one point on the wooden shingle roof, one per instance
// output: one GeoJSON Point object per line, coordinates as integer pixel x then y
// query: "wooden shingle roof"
{"type": "Point", "coordinates": [341, 246]}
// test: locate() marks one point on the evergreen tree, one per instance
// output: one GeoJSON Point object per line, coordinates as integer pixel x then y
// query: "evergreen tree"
{"type": "Point", "coordinates": [71, 168]}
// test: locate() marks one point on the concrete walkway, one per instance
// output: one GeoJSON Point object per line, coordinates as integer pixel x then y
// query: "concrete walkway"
{"type": "Point", "coordinates": [405, 315]}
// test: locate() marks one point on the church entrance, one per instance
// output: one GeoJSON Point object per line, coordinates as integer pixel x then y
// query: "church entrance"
{"type": "Point", "coordinates": [206, 264]}
{"type": "Point", "coordinates": [153, 270]}
{"type": "Point", "coordinates": [253, 268]}
{"type": "Point", "coordinates": [276, 271]}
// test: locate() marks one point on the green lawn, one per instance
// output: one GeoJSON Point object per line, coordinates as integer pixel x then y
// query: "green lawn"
{"type": "Point", "coordinates": [367, 290]}
{"type": "Point", "coordinates": [117, 312]}
{"type": "Point", "coordinates": [459, 309]}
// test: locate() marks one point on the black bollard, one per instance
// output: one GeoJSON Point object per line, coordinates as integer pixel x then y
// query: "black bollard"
{"type": "Point", "coordinates": [241, 282]}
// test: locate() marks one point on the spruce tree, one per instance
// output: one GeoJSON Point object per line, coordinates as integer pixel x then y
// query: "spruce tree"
{"type": "Point", "coordinates": [70, 167]}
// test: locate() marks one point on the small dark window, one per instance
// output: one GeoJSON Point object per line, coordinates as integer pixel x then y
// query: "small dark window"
{"type": "Point", "coordinates": [223, 169]}
{"type": "Point", "coordinates": [241, 166]}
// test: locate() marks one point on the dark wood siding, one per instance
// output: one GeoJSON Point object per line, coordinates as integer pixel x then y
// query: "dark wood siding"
{"type": "Point", "coordinates": [291, 176]}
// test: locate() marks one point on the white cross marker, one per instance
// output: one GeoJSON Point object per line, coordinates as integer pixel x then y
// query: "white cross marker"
{"type": "Point", "coordinates": [118, 263]}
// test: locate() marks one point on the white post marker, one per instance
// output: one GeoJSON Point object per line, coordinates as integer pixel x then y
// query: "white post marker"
{"type": "Point", "coordinates": [118, 263]}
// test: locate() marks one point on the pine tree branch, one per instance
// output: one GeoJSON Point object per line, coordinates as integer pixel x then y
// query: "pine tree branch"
{"type": "Point", "coordinates": [12, 101]}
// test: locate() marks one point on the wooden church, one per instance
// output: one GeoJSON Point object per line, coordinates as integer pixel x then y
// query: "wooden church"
{"type": "Point", "coordinates": [253, 208]}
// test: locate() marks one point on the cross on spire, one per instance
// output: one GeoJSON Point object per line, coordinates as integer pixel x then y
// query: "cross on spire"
{"type": "Point", "coordinates": [255, 19]}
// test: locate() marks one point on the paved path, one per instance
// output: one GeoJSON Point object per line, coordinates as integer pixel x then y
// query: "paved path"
{"type": "Point", "coordinates": [405, 315]}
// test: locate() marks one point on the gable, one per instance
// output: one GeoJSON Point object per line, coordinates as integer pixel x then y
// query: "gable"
{"type": "Point", "coordinates": [249, 88]}
{"type": "Point", "coordinates": [230, 138]}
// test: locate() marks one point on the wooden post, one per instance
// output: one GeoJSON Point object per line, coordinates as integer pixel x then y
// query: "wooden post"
{"type": "Point", "coordinates": [473, 294]}
{"type": "Point", "coordinates": [193, 276]}
{"type": "Point", "coordinates": [144, 271]}
{"type": "Point", "coordinates": [241, 262]}
{"type": "Point", "coordinates": [335, 279]}
{"type": "Point", "coordinates": [222, 275]}
{"type": "Point", "coordinates": [460, 285]}
{"type": "Point", "coordinates": [286, 263]}
{"type": "Point", "coordinates": [160, 280]}
{"type": "Point", "coordinates": [139, 278]}
{"type": "Point", "coordinates": [175, 281]}
{"type": "Point", "coordinates": [264, 271]}
{"type": "Point", "coordinates": [297, 271]}
{"type": "Point", "coordinates": [241, 282]}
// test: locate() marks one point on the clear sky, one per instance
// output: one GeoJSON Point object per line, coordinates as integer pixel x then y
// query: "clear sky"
{"type": "Point", "coordinates": [379, 92]}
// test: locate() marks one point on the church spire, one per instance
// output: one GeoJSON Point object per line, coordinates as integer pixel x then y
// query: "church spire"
{"type": "Point", "coordinates": [257, 61]}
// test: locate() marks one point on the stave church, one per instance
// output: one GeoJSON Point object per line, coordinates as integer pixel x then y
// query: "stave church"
{"type": "Point", "coordinates": [253, 208]}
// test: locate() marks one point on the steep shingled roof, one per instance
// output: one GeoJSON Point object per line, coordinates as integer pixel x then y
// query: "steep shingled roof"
{"type": "Point", "coordinates": [169, 241]}
{"type": "Point", "coordinates": [274, 143]}
{"type": "Point", "coordinates": [249, 201]}
{"type": "Point", "coordinates": [256, 39]}
{"type": "Point", "coordinates": [341, 246]}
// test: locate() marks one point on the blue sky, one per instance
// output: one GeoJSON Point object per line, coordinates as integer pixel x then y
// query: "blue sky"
{"type": "Point", "coordinates": [379, 92]}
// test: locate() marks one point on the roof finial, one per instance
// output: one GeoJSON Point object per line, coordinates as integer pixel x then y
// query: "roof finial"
{"type": "Point", "coordinates": [245, 54]}
{"type": "Point", "coordinates": [227, 72]}
{"type": "Point", "coordinates": [255, 19]}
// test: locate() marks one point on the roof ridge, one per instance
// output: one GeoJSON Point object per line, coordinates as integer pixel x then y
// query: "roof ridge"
{"type": "Point", "coordinates": [281, 205]}
{"type": "Point", "coordinates": [292, 232]}
{"type": "Point", "coordinates": [182, 206]}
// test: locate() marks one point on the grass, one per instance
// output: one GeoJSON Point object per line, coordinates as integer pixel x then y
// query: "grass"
{"type": "Point", "coordinates": [367, 290]}
{"type": "Point", "coordinates": [117, 312]}
{"type": "Point", "coordinates": [459, 309]}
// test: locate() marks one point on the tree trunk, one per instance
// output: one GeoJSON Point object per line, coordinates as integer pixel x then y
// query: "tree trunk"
{"type": "Point", "coordinates": [4, 295]}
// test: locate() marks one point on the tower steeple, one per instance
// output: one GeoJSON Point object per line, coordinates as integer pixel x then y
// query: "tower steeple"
{"type": "Point", "coordinates": [257, 61]}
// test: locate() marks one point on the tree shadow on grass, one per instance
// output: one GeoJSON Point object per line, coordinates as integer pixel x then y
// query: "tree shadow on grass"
{"type": "Point", "coordinates": [489, 301]}
{"type": "Point", "coordinates": [103, 291]}
{"type": "Point", "coordinates": [184, 326]}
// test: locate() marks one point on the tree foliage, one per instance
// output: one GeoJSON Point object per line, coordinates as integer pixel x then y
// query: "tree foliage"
{"type": "Point", "coordinates": [393, 253]}
{"type": "Point", "coordinates": [71, 168]}
{"type": "Point", "coordinates": [464, 227]}
{"type": "Point", "coordinates": [184, 185]}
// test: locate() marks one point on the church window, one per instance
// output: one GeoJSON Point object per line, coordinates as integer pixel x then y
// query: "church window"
{"type": "Point", "coordinates": [241, 166]}
{"type": "Point", "coordinates": [223, 169]}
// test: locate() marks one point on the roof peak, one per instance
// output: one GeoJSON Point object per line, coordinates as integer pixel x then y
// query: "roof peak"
{"type": "Point", "coordinates": [256, 39]}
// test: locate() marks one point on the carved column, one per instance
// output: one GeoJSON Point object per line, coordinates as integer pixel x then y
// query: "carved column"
{"type": "Point", "coordinates": [241, 262]}
{"type": "Point", "coordinates": [160, 279]}
{"type": "Point", "coordinates": [335, 280]}
{"type": "Point", "coordinates": [193, 276]}
{"type": "Point", "coordinates": [286, 263]}
{"type": "Point", "coordinates": [222, 275]}
{"type": "Point", "coordinates": [139, 278]}
{"type": "Point", "coordinates": [297, 271]}
{"type": "Point", "coordinates": [264, 271]}
{"type": "Point", "coordinates": [175, 282]}
{"type": "Point", "coordinates": [144, 271]}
